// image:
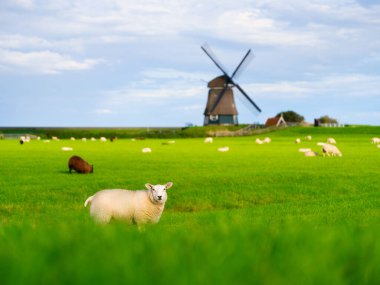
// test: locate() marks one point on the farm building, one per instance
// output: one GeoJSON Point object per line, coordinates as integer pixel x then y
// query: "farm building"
{"type": "Point", "coordinates": [275, 122]}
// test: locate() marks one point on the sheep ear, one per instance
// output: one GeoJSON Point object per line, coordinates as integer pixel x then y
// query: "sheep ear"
{"type": "Point", "coordinates": [149, 186]}
{"type": "Point", "coordinates": [168, 185]}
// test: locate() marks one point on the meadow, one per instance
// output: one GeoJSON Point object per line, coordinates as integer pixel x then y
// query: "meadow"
{"type": "Point", "coordinates": [258, 214]}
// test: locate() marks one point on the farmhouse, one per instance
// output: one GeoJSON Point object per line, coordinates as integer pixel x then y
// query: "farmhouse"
{"type": "Point", "coordinates": [275, 122]}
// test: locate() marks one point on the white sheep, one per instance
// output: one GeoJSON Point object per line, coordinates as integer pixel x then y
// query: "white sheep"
{"type": "Point", "coordinates": [308, 138]}
{"type": "Point", "coordinates": [328, 149]}
{"type": "Point", "coordinates": [331, 141]}
{"type": "Point", "coordinates": [93, 139]}
{"type": "Point", "coordinates": [375, 140]}
{"type": "Point", "coordinates": [224, 149]}
{"type": "Point", "coordinates": [103, 139]}
{"type": "Point", "coordinates": [84, 139]}
{"type": "Point", "coordinates": [72, 139]}
{"type": "Point", "coordinates": [66, 148]}
{"type": "Point", "coordinates": [55, 138]}
{"type": "Point", "coordinates": [267, 140]}
{"type": "Point", "coordinates": [138, 207]}
{"type": "Point", "coordinates": [298, 140]}
{"type": "Point", "coordinates": [25, 139]}
{"type": "Point", "coordinates": [146, 150]}
{"type": "Point", "coordinates": [304, 150]}
{"type": "Point", "coordinates": [259, 141]}
{"type": "Point", "coordinates": [208, 140]}
{"type": "Point", "coordinates": [310, 153]}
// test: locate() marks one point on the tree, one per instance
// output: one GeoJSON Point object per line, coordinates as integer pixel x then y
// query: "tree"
{"type": "Point", "coordinates": [291, 116]}
{"type": "Point", "coordinates": [327, 120]}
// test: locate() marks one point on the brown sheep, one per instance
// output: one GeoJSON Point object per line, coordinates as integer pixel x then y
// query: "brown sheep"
{"type": "Point", "coordinates": [80, 165]}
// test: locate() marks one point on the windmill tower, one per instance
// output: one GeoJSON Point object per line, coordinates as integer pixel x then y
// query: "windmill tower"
{"type": "Point", "coordinates": [220, 108]}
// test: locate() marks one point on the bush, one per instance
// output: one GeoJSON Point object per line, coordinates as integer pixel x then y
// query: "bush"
{"type": "Point", "coordinates": [291, 117]}
{"type": "Point", "coordinates": [327, 120]}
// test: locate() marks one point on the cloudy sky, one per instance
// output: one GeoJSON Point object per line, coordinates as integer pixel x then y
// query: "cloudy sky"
{"type": "Point", "coordinates": [139, 63]}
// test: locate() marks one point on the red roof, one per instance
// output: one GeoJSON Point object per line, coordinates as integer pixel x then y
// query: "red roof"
{"type": "Point", "coordinates": [274, 121]}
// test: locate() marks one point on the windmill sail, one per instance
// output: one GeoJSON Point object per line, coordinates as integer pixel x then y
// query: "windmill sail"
{"type": "Point", "coordinates": [221, 100]}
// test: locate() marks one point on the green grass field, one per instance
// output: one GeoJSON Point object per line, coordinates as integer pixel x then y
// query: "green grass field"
{"type": "Point", "coordinates": [258, 214]}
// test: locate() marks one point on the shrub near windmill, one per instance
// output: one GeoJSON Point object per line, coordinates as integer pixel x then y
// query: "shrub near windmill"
{"type": "Point", "coordinates": [220, 108]}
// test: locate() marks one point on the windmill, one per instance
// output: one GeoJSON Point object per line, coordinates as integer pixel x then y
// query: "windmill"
{"type": "Point", "coordinates": [220, 108]}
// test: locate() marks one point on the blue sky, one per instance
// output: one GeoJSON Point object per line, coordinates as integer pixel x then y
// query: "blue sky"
{"type": "Point", "coordinates": [139, 63]}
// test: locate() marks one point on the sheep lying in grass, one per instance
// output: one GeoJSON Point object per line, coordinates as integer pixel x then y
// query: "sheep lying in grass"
{"type": "Point", "coordinates": [138, 207]}
{"type": "Point", "coordinates": [267, 140]}
{"type": "Point", "coordinates": [298, 140]}
{"type": "Point", "coordinates": [308, 152]}
{"type": "Point", "coordinates": [66, 148]}
{"type": "Point", "coordinates": [375, 140]}
{"type": "Point", "coordinates": [146, 150]}
{"type": "Point", "coordinates": [209, 140]}
{"type": "Point", "coordinates": [311, 153]}
{"type": "Point", "coordinates": [224, 149]}
{"type": "Point", "coordinates": [328, 149]}
{"type": "Point", "coordinates": [331, 141]}
{"type": "Point", "coordinates": [259, 141]}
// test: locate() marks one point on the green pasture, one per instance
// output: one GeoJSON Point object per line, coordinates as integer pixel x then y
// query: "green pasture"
{"type": "Point", "coordinates": [258, 214]}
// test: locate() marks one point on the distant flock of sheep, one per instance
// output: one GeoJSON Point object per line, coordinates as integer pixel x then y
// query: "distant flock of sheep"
{"type": "Point", "coordinates": [146, 206]}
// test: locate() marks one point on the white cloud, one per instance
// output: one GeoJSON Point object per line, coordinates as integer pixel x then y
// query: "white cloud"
{"type": "Point", "coordinates": [42, 62]}
{"type": "Point", "coordinates": [27, 4]}
{"type": "Point", "coordinates": [103, 111]}
{"type": "Point", "coordinates": [253, 26]}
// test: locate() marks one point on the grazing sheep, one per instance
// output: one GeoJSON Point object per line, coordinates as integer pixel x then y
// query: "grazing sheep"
{"type": "Point", "coordinates": [209, 140]}
{"type": "Point", "coordinates": [72, 139]}
{"type": "Point", "coordinates": [298, 140]}
{"type": "Point", "coordinates": [93, 139]}
{"type": "Point", "coordinates": [146, 150]}
{"type": "Point", "coordinates": [308, 138]}
{"type": "Point", "coordinates": [331, 141]}
{"type": "Point", "coordinates": [55, 138]}
{"type": "Point", "coordinates": [224, 149]}
{"type": "Point", "coordinates": [84, 139]}
{"type": "Point", "coordinates": [103, 139]}
{"type": "Point", "coordinates": [328, 149]}
{"type": "Point", "coordinates": [66, 148]}
{"type": "Point", "coordinates": [375, 140]}
{"type": "Point", "coordinates": [259, 141]}
{"type": "Point", "coordinates": [80, 165]}
{"type": "Point", "coordinates": [267, 140]}
{"type": "Point", "coordinates": [138, 207]}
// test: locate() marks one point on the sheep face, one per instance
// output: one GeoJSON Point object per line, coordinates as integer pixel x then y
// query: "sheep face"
{"type": "Point", "coordinates": [157, 193]}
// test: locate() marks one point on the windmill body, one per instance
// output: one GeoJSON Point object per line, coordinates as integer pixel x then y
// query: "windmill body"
{"type": "Point", "coordinates": [225, 112]}
{"type": "Point", "coordinates": [220, 107]}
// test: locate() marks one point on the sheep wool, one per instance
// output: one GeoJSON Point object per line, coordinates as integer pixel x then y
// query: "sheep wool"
{"type": "Point", "coordinates": [135, 207]}
{"type": "Point", "coordinates": [328, 149]}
